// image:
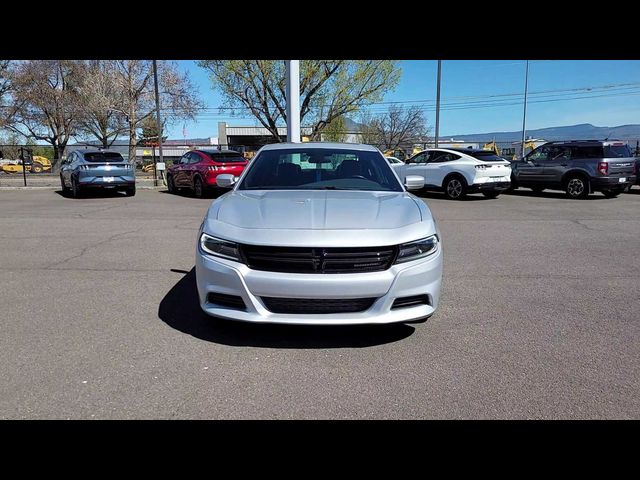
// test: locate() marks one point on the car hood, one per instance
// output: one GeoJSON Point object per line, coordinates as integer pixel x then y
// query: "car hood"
{"type": "Point", "coordinates": [331, 217]}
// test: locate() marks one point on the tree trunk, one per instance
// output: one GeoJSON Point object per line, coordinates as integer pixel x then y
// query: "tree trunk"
{"type": "Point", "coordinates": [132, 138]}
{"type": "Point", "coordinates": [105, 143]}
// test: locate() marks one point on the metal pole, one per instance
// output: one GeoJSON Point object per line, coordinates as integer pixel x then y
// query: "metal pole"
{"type": "Point", "coordinates": [159, 123]}
{"type": "Point", "coordinates": [293, 101]}
{"type": "Point", "coordinates": [524, 114]}
{"type": "Point", "coordinates": [438, 105]}
{"type": "Point", "coordinates": [24, 167]}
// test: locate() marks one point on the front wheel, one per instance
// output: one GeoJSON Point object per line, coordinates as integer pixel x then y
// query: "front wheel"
{"type": "Point", "coordinates": [455, 188]}
{"type": "Point", "coordinates": [171, 188]}
{"type": "Point", "coordinates": [130, 192]}
{"type": "Point", "coordinates": [491, 194]}
{"type": "Point", "coordinates": [65, 189]}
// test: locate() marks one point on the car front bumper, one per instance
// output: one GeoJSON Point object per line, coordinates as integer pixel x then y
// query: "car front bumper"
{"type": "Point", "coordinates": [418, 277]}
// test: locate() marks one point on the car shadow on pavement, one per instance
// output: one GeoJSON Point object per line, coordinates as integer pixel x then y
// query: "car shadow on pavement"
{"type": "Point", "coordinates": [553, 194]}
{"type": "Point", "coordinates": [98, 193]}
{"type": "Point", "coordinates": [471, 197]}
{"type": "Point", "coordinates": [209, 194]}
{"type": "Point", "coordinates": [180, 309]}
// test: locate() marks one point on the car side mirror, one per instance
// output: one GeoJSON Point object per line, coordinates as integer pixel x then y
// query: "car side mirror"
{"type": "Point", "coordinates": [414, 182]}
{"type": "Point", "coordinates": [225, 180]}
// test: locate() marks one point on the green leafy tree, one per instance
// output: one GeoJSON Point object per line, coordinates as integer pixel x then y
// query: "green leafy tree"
{"type": "Point", "coordinates": [329, 89]}
{"type": "Point", "coordinates": [149, 135]}
{"type": "Point", "coordinates": [335, 131]}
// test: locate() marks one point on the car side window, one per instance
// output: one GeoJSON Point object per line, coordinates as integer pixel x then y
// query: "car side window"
{"type": "Point", "coordinates": [540, 154]}
{"type": "Point", "coordinates": [193, 158]}
{"type": "Point", "coordinates": [435, 157]}
{"type": "Point", "coordinates": [185, 159]}
{"type": "Point", "coordinates": [419, 158]}
{"type": "Point", "coordinates": [447, 157]}
{"type": "Point", "coordinates": [559, 153]}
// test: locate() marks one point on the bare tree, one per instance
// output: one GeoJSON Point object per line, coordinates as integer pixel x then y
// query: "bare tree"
{"type": "Point", "coordinates": [398, 127]}
{"type": "Point", "coordinates": [44, 101]}
{"type": "Point", "coordinates": [136, 103]}
{"type": "Point", "coordinates": [5, 87]}
{"type": "Point", "coordinates": [99, 96]}
{"type": "Point", "coordinates": [329, 89]}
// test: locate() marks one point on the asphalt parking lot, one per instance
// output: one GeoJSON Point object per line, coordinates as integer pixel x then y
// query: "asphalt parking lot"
{"type": "Point", "coordinates": [538, 319]}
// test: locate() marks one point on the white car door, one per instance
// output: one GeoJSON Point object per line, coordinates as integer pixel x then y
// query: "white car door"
{"type": "Point", "coordinates": [416, 165]}
{"type": "Point", "coordinates": [439, 166]}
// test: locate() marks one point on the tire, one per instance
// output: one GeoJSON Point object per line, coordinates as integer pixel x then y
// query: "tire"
{"type": "Point", "coordinates": [537, 189]}
{"type": "Point", "coordinates": [75, 188]}
{"type": "Point", "coordinates": [36, 168]}
{"type": "Point", "coordinates": [455, 188]}
{"type": "Point", "coordinates": [198, 188]}
{"type": "Point", "coordinates": [576, 186]}
{"type": "Point", "coordinates": [490, 194]}
{"type": "Point", "coordinates": [65, 189]}
{"type": "Point", "coordinates": [171, 188]}
{"type": "Point", "coordinates": [130, 192]}
{"type": "Point", "coordinates": [611, 193]}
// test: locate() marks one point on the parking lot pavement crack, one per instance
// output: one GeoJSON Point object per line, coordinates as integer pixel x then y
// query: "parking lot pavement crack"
{"type": "Point", "coordinates": [85, 249]}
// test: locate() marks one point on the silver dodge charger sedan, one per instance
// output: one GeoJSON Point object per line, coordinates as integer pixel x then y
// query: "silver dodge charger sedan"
{"type": "Point", "coordinates": [322, 234]}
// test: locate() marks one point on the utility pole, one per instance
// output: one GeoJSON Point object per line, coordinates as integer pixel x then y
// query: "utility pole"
{"type": "Point", "coordinates": [159, 123]}
{"type": "Point", "coordinates": [438, 105]}
{"type": "Point", "coordinates": [524, 115]}
{"type": "Point", "coordinates": [293, 101]}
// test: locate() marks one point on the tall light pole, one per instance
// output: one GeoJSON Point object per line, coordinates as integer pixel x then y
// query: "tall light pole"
{"type": "Point", "coordinates": [293, 101]}
{"type": "Point", "coordinates": [158, 121]}
{"type": "Point", "coordinates": [438, 105]}
{"type": "Point", "coordinates": [524, 114]}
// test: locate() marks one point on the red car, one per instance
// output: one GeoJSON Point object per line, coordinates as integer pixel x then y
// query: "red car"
{"type": "Point", "coordinates": [197, 169]}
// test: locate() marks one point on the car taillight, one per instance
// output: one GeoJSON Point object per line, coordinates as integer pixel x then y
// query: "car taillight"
{"type": "Point", "coordinates": [603, 168]}
{"type": "Point", "coordinates": [213, 168]}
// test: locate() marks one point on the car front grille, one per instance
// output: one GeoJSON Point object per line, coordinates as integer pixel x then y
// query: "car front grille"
{"type": "Point", "coordinates": [317, 305]}
{"type": "Point", "coordinates": [319, 260]}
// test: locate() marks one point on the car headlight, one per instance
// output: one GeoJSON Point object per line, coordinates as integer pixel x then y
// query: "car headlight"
{"type": "Point", "coordinates": [219, 248]}
{"type": "Point", "coordinates": [418, 249]}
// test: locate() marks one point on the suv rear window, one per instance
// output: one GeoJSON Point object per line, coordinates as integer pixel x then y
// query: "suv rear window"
{"type": "Point", "coordinates": [617, 151]}
{"type": "Point", "coordinates": [103, 157]}
{"type": "Point", "coordinates": [225, 157]}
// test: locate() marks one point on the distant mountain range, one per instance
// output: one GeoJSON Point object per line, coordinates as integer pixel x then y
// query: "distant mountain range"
{"type": "Point", "coordinates": [583, 131]}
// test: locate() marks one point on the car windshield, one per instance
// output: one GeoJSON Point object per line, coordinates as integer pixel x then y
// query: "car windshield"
{"type": "Point", "coordinates": [225, 157]}
{"type": "Point", "coordinates": [103, 157]}
{"type": "Point", "coordinates": [320, 169]}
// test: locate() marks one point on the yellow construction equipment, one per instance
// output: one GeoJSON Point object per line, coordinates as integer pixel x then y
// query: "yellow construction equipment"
{"type": "Point", "coordinates": [492, 146]}
{"type": "Point", "coordinates": [37, 164]}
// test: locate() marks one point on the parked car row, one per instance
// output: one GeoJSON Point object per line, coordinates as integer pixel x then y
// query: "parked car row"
{"type": "Point", "coordinates": [577, 167]}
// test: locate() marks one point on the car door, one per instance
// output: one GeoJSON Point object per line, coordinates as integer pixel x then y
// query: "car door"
{"type": "Point", "coordinates": [195, 162]}
{"type": "Point", "coordinates": [67, 168]}
{"type": "Point", "coordinates": [438, 166]}
{"type": "Point", "coordinates": [416, 166]}
{"type": "Point", "coordinates": [531, 169]}
{"type": "Point", "coordinates": [178, 172]}
{"type": "Point", "coordinates": [556, 164]}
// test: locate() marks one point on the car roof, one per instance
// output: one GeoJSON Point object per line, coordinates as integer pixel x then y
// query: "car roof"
{"type": "Point", "coordinates": [586, 143]}
{"type": "Point", "coordinates": [97, 150]}
{"type": "Point", "coordinates": [215, 151]}
{"type": "Point", "coordinates": [327, 145]}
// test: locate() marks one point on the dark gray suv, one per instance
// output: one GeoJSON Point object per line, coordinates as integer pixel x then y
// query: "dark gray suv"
{"type": "Point", "coordinates": [578, 167]}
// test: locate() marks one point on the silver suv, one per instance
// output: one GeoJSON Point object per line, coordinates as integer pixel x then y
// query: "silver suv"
{"type": "Point", "coordinates": [578, 167]}
{"type": "Point", "coordinates": [91, 169]}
